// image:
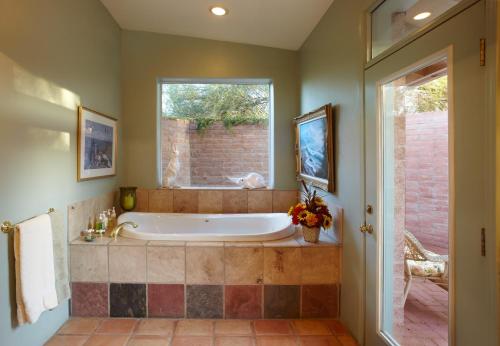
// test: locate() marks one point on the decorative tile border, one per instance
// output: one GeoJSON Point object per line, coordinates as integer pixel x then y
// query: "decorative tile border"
{"type": "Point", "coordinates": [205, 301]}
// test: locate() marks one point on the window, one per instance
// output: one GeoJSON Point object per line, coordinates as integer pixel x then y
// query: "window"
{"type": "Point", "coordinates": [394, 20]}
{"type": "Point", "coordinates": [214, 132]}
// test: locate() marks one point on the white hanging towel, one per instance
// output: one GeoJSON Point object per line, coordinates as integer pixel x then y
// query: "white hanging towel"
{"type": "Point", "coordinates": [35, 278]}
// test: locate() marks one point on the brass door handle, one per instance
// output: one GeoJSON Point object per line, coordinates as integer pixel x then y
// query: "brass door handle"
{"type": "Point", "coordinates": [366, 228]}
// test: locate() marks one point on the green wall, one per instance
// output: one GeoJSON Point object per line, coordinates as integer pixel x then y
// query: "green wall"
{"type": "Point", "coordinates": [53, 55]}
{"type": "Point", "coordinates": [331, 65]}
{"type": "Point", "coordinates": [147, 57]}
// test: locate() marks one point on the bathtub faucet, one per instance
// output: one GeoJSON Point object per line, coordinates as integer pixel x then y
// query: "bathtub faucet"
{"type": "Point", "coordinates": [114, 233]}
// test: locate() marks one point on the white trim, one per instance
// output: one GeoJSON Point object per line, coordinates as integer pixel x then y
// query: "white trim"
{"type": "Point", "coordinates": [445, 54]}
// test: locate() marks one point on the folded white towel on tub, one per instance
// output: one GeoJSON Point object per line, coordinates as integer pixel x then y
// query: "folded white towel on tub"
{"type": "Point", "coordinates": [35, 278]}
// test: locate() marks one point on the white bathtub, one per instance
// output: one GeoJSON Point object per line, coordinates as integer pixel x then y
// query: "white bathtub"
{"type": "Point", "coordinates": [207, 227]}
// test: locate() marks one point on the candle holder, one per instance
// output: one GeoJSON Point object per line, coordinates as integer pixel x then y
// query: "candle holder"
{"type": "Point", "coordinates": [128, 198]}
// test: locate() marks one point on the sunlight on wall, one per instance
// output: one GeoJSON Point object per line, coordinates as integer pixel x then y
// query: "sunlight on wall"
{"type": "Point", "coordinates": [31, 85]}
{"type": "Point", "coordinates": [56, 140]}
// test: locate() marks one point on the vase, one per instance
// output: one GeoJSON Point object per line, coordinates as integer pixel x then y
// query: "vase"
{"type": "Point", "coordinates": [128, 198]}
{"type": "Point", "coordinates": [311, 234]}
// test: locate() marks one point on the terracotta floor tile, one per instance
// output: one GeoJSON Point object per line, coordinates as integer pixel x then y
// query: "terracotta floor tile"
{"type": "Point", "coordinates": [276, 341]}
{"type": "Point", "coordinates": [233, 327]}
{"type": "Point", "coordinates": [319, 341]}
{"type": "Point", "coordinates": [309, 327]}
{"type": "Point", "coordinates": [272, 327]}
{"type": "Point", "coordinates": [347, 340]}
{"type": "Point", "coordinates": [80, 326]}
{"type": "Point", "coordinates": [234, 341]}
{"type": "Point", "coordinates": [107, 340]}
{"type": "Point", "coordinates": [336, 327]}
{"type": "Point", "coordinates": [192, 341]}
{"type": "Point", "coordinates": [155, 326]}
{"type": "Point", "coordinates": [195, 327]}
{"type": "Point", "coordinates": [117, 326]}
{"type": "Point", "coordinates": [67, 340]}
{"type": "Point", "coordinates": [149, 340]}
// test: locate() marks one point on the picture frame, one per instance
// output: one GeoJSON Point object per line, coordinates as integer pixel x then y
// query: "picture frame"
{"type": "Point", "coordinates": [314, 148]}
{"type": "Point", "coordinates": [97, 145]}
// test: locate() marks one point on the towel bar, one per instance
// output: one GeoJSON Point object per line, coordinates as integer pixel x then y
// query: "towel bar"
{"type": "Point", "coordinates": [8, 227]}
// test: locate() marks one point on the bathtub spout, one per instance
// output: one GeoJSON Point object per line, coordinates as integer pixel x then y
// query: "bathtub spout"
{"type": "Point", "coordinates": [116, 231]}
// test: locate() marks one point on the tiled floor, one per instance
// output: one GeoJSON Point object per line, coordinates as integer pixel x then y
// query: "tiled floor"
{"type": "Point", "coordinates": [156, 332]}
{"type": "Point", "coordinates": [426, 316]}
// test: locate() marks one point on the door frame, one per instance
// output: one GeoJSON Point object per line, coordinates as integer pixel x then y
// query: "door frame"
{"type": "Point", "coordinates": [446, 53]}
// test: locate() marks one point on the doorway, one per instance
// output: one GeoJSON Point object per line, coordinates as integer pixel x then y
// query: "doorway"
{"type": "Point", "coordinates": [414, 185]}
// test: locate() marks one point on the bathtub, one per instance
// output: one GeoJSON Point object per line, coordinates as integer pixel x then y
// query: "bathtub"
{"type": "Point", "coordinates": [207, 227]}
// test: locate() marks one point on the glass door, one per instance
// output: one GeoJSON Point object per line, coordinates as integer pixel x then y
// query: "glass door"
{"type": "Point", "coordinates": [425, 164]}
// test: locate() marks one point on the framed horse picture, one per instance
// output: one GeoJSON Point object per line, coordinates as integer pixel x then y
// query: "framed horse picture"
{"type": "Point", "coordinates": [314, 148]}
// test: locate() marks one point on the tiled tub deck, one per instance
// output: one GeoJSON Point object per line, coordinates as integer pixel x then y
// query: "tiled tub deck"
{"type": "Point", "coordinates": [278, 279]}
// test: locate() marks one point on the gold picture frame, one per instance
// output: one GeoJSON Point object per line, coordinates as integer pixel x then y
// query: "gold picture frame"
{"type": "Point", "coordinates": [314, 148]}
{"type": "Point", "coordinates": [96, 145]}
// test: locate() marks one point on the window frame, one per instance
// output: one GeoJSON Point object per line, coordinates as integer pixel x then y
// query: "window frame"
{"type": "Point", "coordinates": [241, 81]}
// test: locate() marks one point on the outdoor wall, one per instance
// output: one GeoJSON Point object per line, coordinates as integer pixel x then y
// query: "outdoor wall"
{"type": "Point", "coordinates": [208, 157]}
{"type": "Point", "coordinates": [54, 55]}
{"type": "Point", "coordinates": [427, 179]}
{"type": "Point", "coordinates": [146, 57]}
{"type": "Point", "coordinates": [331, 62]}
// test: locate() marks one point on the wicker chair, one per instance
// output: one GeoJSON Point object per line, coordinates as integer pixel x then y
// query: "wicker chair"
{"type": "Point", "coordinates": [424, 264]}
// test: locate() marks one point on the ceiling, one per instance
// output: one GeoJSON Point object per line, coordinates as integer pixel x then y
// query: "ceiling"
{"type": "Point", "coordinates": [272, 23]}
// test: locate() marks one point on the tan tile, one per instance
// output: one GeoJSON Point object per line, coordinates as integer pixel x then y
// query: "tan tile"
{"type": "Point", "coordinates": [117, 326]}
{"type": "Point", "coordinates": [285, 242]}
{"type": "Point", "coordinates": [166, 264]}
{"type": "Point", "coordinates": [67, 340]}
{"type": "Point", "coordinates": [283, 200]}
{"type": "Point", "coordinates": [210, 201]}
{"type": "Point", "coordinates": [276, 341]}
{"type": "Point", "coordinates": [272, 327]}
{"type": "Point", "coordinates": [142, 200]}
{"type": "Point", "coordinates": [319, 341]}
{"type": "Point", "coordinates": [161, 201]}
{"type": "Point", "coordinates": [260, 201]}
{"type": "Point", "coordinates": [310, 327]}
{"type": "Point", "coordinates": [80, 326]}
{"type": "Point", "coordinates": [194, 328]}
{"type": "Point", "coordinates": [234, 341]}
{"type": "Point", "coordinates": [107, 340]}
{"type": "Point", "coordinates": [127, 264]}
{"type": "Point", "coordinates": [155, 326]}
{"type": "Point", "coordinates": [205, 265]}
{"type": "Point", "coordinates": [282, 265]}
{"type": "Point", "coordinates": [102, 241]}
{"type": "Point", "coordinates": [89, 263]}
{"type": "Point", "coordinates": [192, 341]}
{"type": "Point", "coordinates": [244, 265]}
{"type": "Point", "coordinates": [185, 201]}
{"type": "Point", "coordinates": [204, 244]}
{"type": "Point", "coordinates": [242, 244]}
{"type": "Point", "coordinates": [233, 327]}
{"type": "Point", "coordinates": [149, 340]}
{"type": "Point", "coordinates": [320, 265]}
{"type": "Point", "coordinates": [235, 201]}
{"type": "Point", "coordinates": [166, 243]}
{"type": "Point", "coordinates": [122, 241]}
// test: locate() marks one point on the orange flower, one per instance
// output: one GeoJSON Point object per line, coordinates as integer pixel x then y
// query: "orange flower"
{"type": "Point", "coordinates": [311, 219]}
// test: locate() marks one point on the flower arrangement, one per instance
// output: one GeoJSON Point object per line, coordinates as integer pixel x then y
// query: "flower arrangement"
{"type": "Point", "coordinates": [312, 212]}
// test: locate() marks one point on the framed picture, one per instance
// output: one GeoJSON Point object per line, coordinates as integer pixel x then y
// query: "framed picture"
{"type": "Point", "coordinates": [314, 149]}
{"type": "Point", "coordinates": [97, 140]}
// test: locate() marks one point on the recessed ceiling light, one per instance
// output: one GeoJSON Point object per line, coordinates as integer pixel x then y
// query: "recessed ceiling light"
{"type": "Point", "coordinates": [218, 11]}
{"type": "Point", "coordinates": [422, 16]}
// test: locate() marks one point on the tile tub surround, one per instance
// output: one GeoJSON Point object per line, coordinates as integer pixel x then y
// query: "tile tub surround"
{"type": "Point", "coordinates": [215, 201]}
{"type": "Point", "coordinates": [164, 332]}
{"type": "Point", "coordinates": [285, 278]}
